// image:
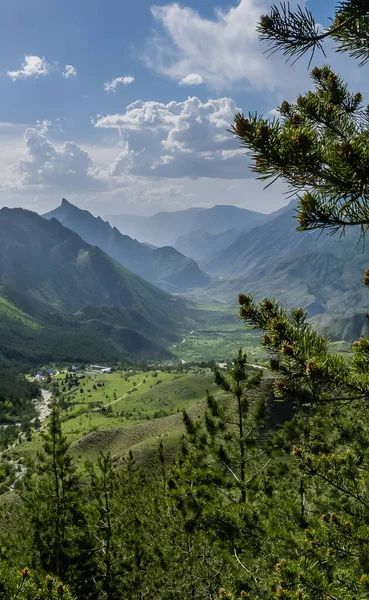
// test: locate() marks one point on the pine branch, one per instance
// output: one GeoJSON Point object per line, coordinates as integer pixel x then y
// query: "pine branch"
{"type": "Point", "coordinates": [296, 32]}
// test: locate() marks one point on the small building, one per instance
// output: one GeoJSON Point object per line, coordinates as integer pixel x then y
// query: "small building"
{"type": "Point", "coordinates": [101, 368]}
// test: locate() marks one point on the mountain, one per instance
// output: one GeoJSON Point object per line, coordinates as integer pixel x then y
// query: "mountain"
{"type": "Point", "coordinates": [166, 227]}
{"type": "Point", "coordinates": [202, 245]}
{"type": "Point", "coordinates": [165, 267]}
{"type": "Point", "coordinates": [58, 289]}
{"type": "Point", "coordinates": [261, 245]}
{"type": "Point", "coordinates": [320, 273]}
{"type": "Point", "coordinates": [34, 333]}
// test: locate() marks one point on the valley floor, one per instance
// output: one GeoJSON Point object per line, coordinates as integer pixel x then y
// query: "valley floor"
{"type": "Point", "coordinates": [119, 412]}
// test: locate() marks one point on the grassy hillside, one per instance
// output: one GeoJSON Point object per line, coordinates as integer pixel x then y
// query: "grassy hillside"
{"type": "Point", "coordinates": [53, 264]}
{"type": "Point", "coordinates": [118, 412]}
{"type": "Point", "coordinates": [92, 335]}
{"type": "Point", "coordinates": [62, 300]}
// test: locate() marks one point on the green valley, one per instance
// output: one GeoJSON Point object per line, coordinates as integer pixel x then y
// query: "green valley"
{"type": "Point", "coordinates": [121, 411]}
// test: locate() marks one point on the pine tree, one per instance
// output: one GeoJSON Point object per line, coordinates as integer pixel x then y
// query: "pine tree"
{"type": "Point", "coordinates": [55, 512]}
{"type": "Point", "coordinates": [326, 476]}
{"type": "Point", "coordinates": [107, 529]}
{"type": "Point", "coordinates": [319, 145]}
{"type": "Point", "coordinates": [219, 477]}
{"type": "Point", "coordinates": [22, 585]}
{"type": "Point", "coordinates": [231, 426]}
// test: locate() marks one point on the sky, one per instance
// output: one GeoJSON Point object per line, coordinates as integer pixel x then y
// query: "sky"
{"type": "Point", "coordinates": [123, 106]}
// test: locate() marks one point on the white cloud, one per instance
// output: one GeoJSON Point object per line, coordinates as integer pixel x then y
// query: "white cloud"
{"type": "Point", "coordinates": [178, 139]}
{"type": "Point", "coordinates": [67, 168]}
{"type": "Point", "coordinates": [221, 50]}
{"type": "Point", "coordinates": [192, 79]}
{"type": "Point", "coordinates": [120, 175]}
{"type": "Point", "coordinates": [111, 86]}
{"type": "Point", "coordinates": [69, 71]}
{"type": "Point", "coordinates": [33, 66]}
{"type": "Point", "coordinates": [225, 50]}
{"type": "Point", "coordinates": [43, 126]}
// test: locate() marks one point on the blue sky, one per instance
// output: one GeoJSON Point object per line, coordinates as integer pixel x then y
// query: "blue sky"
{"type": "Point", "coordinates": [123, 106]}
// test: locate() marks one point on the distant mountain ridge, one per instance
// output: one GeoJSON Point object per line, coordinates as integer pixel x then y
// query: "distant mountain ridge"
{"type": "Point", "coordinates": [165, 227]}
{"type": "Point", "coordinates": [318, 272]}
{"type": "Point", "coordinates": [203, 246]}
{"type": "Point", "coordinates": [165, 267]}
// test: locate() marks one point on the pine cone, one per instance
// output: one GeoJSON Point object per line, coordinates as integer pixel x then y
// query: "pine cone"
{"type": "Point", "coordinates": [243, 126]}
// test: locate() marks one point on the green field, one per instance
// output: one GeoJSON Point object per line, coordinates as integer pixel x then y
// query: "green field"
{"type": "Point", "coordinates": [119, 411]}
{"type": "Point", "coordinates": [132, 409]}
{"type": "Point", "coordinates": [218, 335]}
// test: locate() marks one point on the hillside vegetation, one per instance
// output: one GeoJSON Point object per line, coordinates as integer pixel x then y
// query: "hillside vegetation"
{"type": "Point", "coordinates": [63, 300]}
{"type": "Point", "coordinates": [117, 412]}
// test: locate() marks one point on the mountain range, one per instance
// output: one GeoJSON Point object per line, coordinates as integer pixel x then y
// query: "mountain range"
{"type": "Point", "coordinates": [66, 293]}
{"type": "Point", "coordinates": [165, 228]}
{"type": "Point", "coordinates": [264, 254]}
{"type": "Point", "coordinates": [321, 273]}
{"type": "Point", "coordinates": [165, 267]}
{"type": "Point", "coordinates": [59, 291]}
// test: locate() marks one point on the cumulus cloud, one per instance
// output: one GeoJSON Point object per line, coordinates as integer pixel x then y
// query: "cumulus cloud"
{"type": "Point", "coordinates": [225, 50]}
{"type": "Point", "coordinates": [221, 50]}
{"type": "Point", "coordinates": [111, 86]}
{"type": "Point", "coordinates": [69, 72]}
{"type": "Point", "coordinates": [33, 66]}
{"type": "Point", "coordinates": [178, 139]}
{"type": "Point", "coordinates": [43, 126]}
{"type": "Point", "coordinates": [192, 79]}
{"type": "Point", "coordinates": [67, 168]}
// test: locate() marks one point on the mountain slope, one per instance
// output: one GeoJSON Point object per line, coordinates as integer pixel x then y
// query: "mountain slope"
{"type": "Point", "coordinates": [52, 281]}
{"type": "Point", "coordinates": [45, 335]}
{"type": "Point", "coordinates": [166, 227]}
{"type": "Point", "coordinates": [262, 245]}
{"type": "Point", "coordinates": [164, 267]}
{"type": "Point", "coordinates": [53, 263]}
{"type": "Point", "coordinates": [320, 273]}
{"type": "Point", "coordinates": [203, 246]}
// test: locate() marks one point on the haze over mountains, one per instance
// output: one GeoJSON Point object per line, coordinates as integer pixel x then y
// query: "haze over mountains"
{"type": "Point", "coordinates": [321, 273]}
{"type": "Point", "coordinates": [265, 255]}
{"type": "Point", "coordinates": [165, 267]}
{"type": "Point", "coordinates": [65, 293]}
{"type": "Point", "coordinates": [55, 286]}
{"type": "Point", "coordinates": [165, 228]}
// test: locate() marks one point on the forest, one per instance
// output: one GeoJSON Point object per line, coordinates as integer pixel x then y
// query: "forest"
{"type": "Point", "coordinates": [246, 509]}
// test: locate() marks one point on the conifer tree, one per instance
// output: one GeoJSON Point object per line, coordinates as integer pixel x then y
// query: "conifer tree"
{"type": "Point", "coordinates": [231, 425]}
{"type": "Point", "coordinates": [107, 529]}
{"type": "Point", "coordinates": [319, 144]}
{"type": "Point", "coordinates": [219, 477]}
{"type": "Point", "coordinates": [22, 585]}
{"type": "Point", "coordinates": [54, 506]}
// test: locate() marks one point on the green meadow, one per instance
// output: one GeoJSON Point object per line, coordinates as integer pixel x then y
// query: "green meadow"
{"type": "Point", "coordinates": [124, 411]}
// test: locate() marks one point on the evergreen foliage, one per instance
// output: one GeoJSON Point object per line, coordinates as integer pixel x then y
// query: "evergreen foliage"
{"type": "Point", "coordinates": [243, 512]}
{"type": "Point", "coordinates": [319, 145]}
